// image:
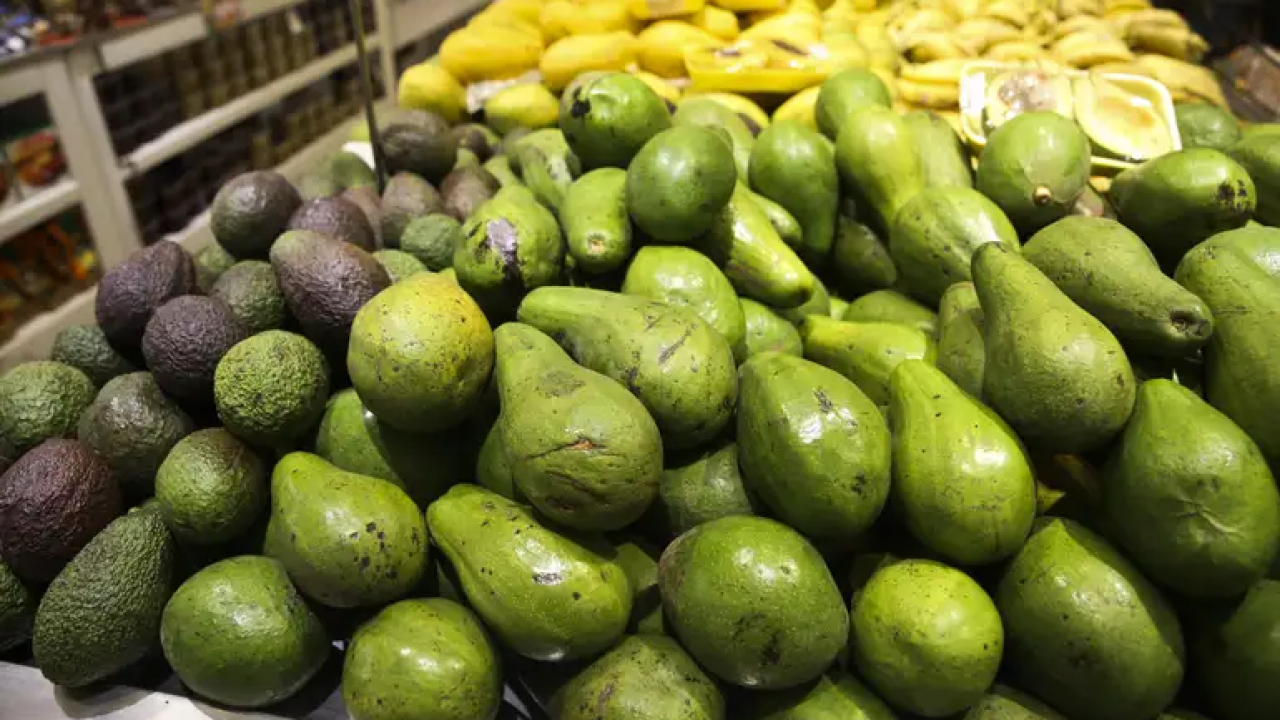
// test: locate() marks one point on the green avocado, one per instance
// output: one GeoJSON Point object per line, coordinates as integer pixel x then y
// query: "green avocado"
{"type": "Point", "coordinates": [42, 399]}
{"type": "Point", "coordinates": [610, 117]}
{"type": "Point", "coordinates": [845, 92]}
{"type": "Point", "coordinates": [1205, 125]}
{"type": "Point", "coordinates": [1259, 154]}
{"type": "Point", "coordinates": [646, 677]}
{"type": "Point", "coordinates": [744, 243]}
{"type": "Point", "coordinates": [1261, 244]}
{"type": "Point", "coordinates": [85, 348]}
{"type": "Point", "coordinates": [783, 222]}
{"type": "Point", "coordinates": [133, 426]}
{"type": "Point", "coordinates": [252, 292]}
{"type": "Point", "coordinates": [860, 261]}
{"type": "Point", "coordinates": [509, 246]}
{"type": "Point", "coordinates": [406, 198]}
{"type": "Point", "coordinates": [398, 264]}
{"type": "Point", "coordinates": [500, 167]}
{"type": "Point", "coordinates": [864, 352]}
{"type": "Point", "coordinates": [17, 610]}
{"type": "Point", "coordinates": [711, 114]}
{"type": "Point", "coordinates": [1034, 168]}
{"type": "Point", "coordinates": [767, 331]}
{"type": "Point", "coordinates": [250, 211]}
{"type": "Point", "coordinates": [962, 352]}
{"type": "Point", "coordinates": [547, 166]}
{"type": "Point", "coordinates": [211, 487]}
{"type": "Point", "coordinates": [891, 306]}
{"type": "Point", "coordinates": [640, 563]}
{"type": "Point", "coordinates": [794, 167]}
{"type": "Point", "coordinates": [878, 159]}
{"type": "Point", "coordinates": [944, 160]}
{"type": "Point", "coordinates": [465, 189]}
{"type": "Point", "coordinates": [686, 278]}
{"type": "Point", "coordinates": [493, 466]}
{"type": "Point", "coordinates": [1004, 703]}
{"type": "Point", "coordinates": [431, 239]}
{"type": "Point", "coordinates": [837, 695]}
{"type": "Point", "coordinates": [1235, 650]}
{"type": "Point", "coordinates": [597, 230]}
{"type": "Point", "coordinates": [819, 303]}
{"type": "Point", "coordinates": [427, 151]}
{"type": "Point", "coordinates": [271, 388]}
{"type": "Point", "coordinates": [679, 182]}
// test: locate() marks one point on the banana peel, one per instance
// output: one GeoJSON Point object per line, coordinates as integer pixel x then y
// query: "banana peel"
{"type": "Point", "coordinates": [930, 46]}
{"type": "Point", "coordinates": [747, 6]}
{"type": "Point", "coordinates": [934, 96]}
{"type": "Point", "coordinates": [1080, 23]}
{"type": "Point", "coordinates": [1174, 42]}
{"type": "Point", "coordinates": [1086, 49]}
{"type": "Point", "coordinates": [797, 29]}
{"type": "Point", "coordinates": [1075, 8]}
{"type": "Point", "coordinates": [560, 18]}
{"type": "Point", "coordinates": [978, 34]}
{"type": "Point", "coordinates": [646, 10]}
{"type": "Point", "coordinates": [526, 10]}
{"type": "Point", "coordinates": [938, 72]}
{"type": "Point", "coordinates": [573, 55]}
{"type": "Point", "coordinates": [662, 45]}
{"type": "Point", "coordinates": [473, 54]}
{"type": "Point", "coordinates": [1014, 12]}
{"type": "Point", "coordinates": [663, 89]}
{"type": "Point", "coordinates": [431, 87]}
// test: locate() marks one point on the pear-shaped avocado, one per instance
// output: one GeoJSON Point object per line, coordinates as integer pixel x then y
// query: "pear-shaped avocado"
{"type": "Point", "coordinates": [786, 225]}
{"type": "Point", "coordinates": [639, 562]}
{"type": "Point", "coordinates": [1177, 200]}
{"type": "Point", "coordinates": [547, 166]}
{"type": "Point", "coordinates": [509, 246]}
{"type": "Point", "coordinates": [700, 486]}
{"type": "Point", "coordinates": [767, 331]}
{"type": "Point", "coordinates": [645, 676]}
{"type": "Point", "coordinates": [1004, 703]}
{"type": "Point", "coordinates": [1258, 153]}
{"type": "Point", "coordinates": [610, 118]}
{"type": "Point", "coordinates": [891, 306]}
{"type": "Point", "coordinates": [347, 540]}
{"type": "Point", "coordinates": [686, 278]}
{"type": "Point", "coordinates": [709, 113]}
{"type": "Point", "coordinates": [1034, 167]}
{"type": "Point", "coordinates": [864, 352]}
{"type": "Point", "coordinates": [1236, 652]}
{"type": "Point", "coordinates": [794, 166]}
{"type": "Point", "coordinates": [1204, 125]}
{"type": "Point", "coordinates": [837, 695]}
{"type": "Point", "coordinates": [961, 480]}
{"type": "Point", "coordinates": [1241, 376]}
{"type": "Point", "coordinates": [926, 637]}
{"type": "Point", "coordinates": [812, 446]}
{"type": "Point", "coordinates": [943, 158]}
{"type": "Point", "coordinates": [1055, 373]}
{"type": "Point", "coordinates": [1190, 497]}
{"type": "Point", "coordinates": [933, 239]}
{"type": "Point", "coordinates": [546, 596]}
{"type": "Point", "coordinates": [597, 230]}
{"type": "Point", "coordinates": [859, 259]}
{"type": "Point", "coordinates": [1107, 270]}
{"type": "Point", "coordinates": [1259, 242]}
{"type": "Point", "coordinates": [877, 157]}
{"type": "Point", "coordinates": [962, 352]}
{"type": "Point", "coordinates": [679, 367]}
{"type": "Point", "coordinates": [679, 182]}
{"type": "Point", "coordinates": [760, 265]}
{"type": "Point", "coordinates": [753, 602]}
{"type": "Point", "coordinates": [581, 448]}
{"type": "Point", "coordinates": [1084, 630]}
{"type": "Point", "coordinates": [819, 303]}
{"type": "Point", "coordinates": [845, 92]}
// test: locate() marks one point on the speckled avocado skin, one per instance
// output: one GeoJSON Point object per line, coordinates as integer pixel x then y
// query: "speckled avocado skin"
{"type": "Point", "coordinates": [768, 331]}
{"type": "Point", "coordinates": [679, 181]}
{"type": "Point", "coordinates": [428, 659]}
{"type": "Point", "coordinates": [770, 618]}
{"type": "Point", "coordinates": [271, 388]}
{"type": "Point", "coordinates": [347, 540]}
{"type": "Point", "coordinates": [687, 278]}
{"type": "Point", "coordinates": [646, 677]}
{"type": "Point", "coordinates": [702, 485]}
{"type": "Point", "coordinates": [838, 695]}
{"type": "Point", "coordinates": [610, 118]}
{"type": "Point", "coordinates": [546, 596]}
{"type": "Point", "coordinates": [133, 426]}
{"type": "Point", "coordinates": [793, 166]}
{"type": "Point", "coordinates": [40, 400]}
{"type": "Point", "coordinates": [1034, 167]}
{"type": "Point", "coordinates": [1005, 703]}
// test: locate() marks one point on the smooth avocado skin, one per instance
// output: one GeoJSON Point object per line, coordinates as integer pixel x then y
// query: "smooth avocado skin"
{"type": "Point", "coordinates": [860, 261]}
{"type": "Point", "coordinates": [510, 245]}
{"type": "Point", "coordinates": [1205, 125]}
{"type": "Point", "coordinates": [1084, 631]}
{"type": "Point", "coordinates": [703, 485]}
{"type": "Point", "coordinates": [843, 93]}
{"type": "Point", "coordinates": [493, 466]}
{"type": "Point", "coordinates": [679, 367]}
{"type": "Point", "coordinates": [238, 633]}
{"type": "Point", "coordinates": [1109, 271]}
{"type": "Point", "coordinates": [1005, 703]}
{"type": "Point", "coordinates": [639, 561]}
{"type": "Point", "coordinates": [742, 241]}
{"type": "Point", "coordinates": [792, 165]}
{"type": "Point", "coordinates": [271, 388]}
{"type": "Point", "coordinates": [646, 677]}
{"type": "Point", "coordinates": [712, 114]}
{"type": "Point", "coordinates": [836, 695]}
{"type": "Point", "coordinates": [864, 352]}
{"type": "Point", "coordinates": [597, 230]}
{"type": "Point", "coordinates": [1235, 651]}
{"type": "Point", "coordinates": [926, 637]}
{"type": "Point", "coordinates": [421, 354]}
{"type": "Point", "coordinates": [891, 306]}
{"type": "Point", "coordinates": [767, 331]}
{"type": "Point", "coordinates": [547, 596]}
{"type": "Point", "coordinates": [1177, 200]}
{"type": "Point", "coordinates": [962, 352]}
{"type": "Point", "coordinates": [547, 166]}
{"type": "Point", "coordinates": [251, 211]}
{"type": "Point", "coordinates": [819, 303]}
{"type": "Point", "coordinates": [679, 182]}
{"type": "Point", "coordinates": [1259, 155]}
{"type": "Point", "coordinates": [610, 118]}
{"type": "Point", "coordinates": [1035, 166]}
{"type": "Point", "coordinates": [1190, 497]}
{"type": "Point", "coordinates": [783, 222]}
{"type": "Point", "coordinates": [877, 158]}
{"type": "Point", "coordinates": [560, 420]}
{"type": "Point", "coordinates": [398, 264]}
{"type": "Point", "coordinates": [812, 446]}
{"type": "Point", "coordinates": [347, 540]}
{"type": "Point", "coordinates": [944, 159]}
{"type": "Point", "coordinates": [40, 400]}
{"type": "Point", "coordinates": [687, 278]}
{"type": "Point", "coordinates": [211, 487]}
{"type": "Point", "coordinates": [426, 658]}
{"type": "Point", "coordinates": [770, 619]}
{"type": "Point", "coordinates": [85, 348]}
{"type": "Point", "coordinates": [1260, 243]}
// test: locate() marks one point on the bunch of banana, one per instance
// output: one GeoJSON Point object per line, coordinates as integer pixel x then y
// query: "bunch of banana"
{"type": "Point", "coordinates": [560, 18]}
{"type": "Point", "coordinates": [934, 85]}
{"type": "Point", "coordinates": [1186, 81]}
{"type": "Point", "coordinates": [571, 56]}
{"type": "Point", "coordinates": [492, 46]}
{"type": "Point", "coordinates": [1085, 48]}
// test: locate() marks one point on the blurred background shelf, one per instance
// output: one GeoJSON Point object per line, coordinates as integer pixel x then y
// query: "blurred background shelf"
{"type": "Point", "coordinates": [40, 206]}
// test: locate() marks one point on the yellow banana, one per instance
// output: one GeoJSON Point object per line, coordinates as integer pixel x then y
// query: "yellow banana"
{"type": "Point", "coordinates": [930, 46]}
{"type": "Point", "coordinates": [659, 86]}
{"type": "Point", "coordinates": [746, 6]}
{"type": "Point", "coordinates": [1086, 49]}
{"type": "Point", "coordinates": [1080, 23]}
{"type": "Point", "coordinates": [938, 72]}
{"type": "Point", "coordinates": [977, 34]}
{"type": "Point", "coordinates": [716, 21]}
{"type": "Point", "coordinates": [929, 95]}
{"type": "Point", "coordinates": [1014, 12]}
{"type": "Point", "coordinates": [1195, 80]}
{"type": "Point", "coordinates": [798, 29]}
{"type": "Point", "coordinates": [1075, 8]}
{"type": "Point", "coordinates": [431, 87]}
{"type": "Point", "coordinates": [1041, 22]}
{"type": "Point", "coordinates": [1175, 42]}
{"type": "Point", "coordinates": [1015, 51]}
{"type": "Point", "coordinates": [889, 79]}
{"type": "Point", "coordinates": [647, 10]}
{"type": "Point", "coordinates": [564, 17]}
{"type": "Point", "coordinates": [741, 105]}
{"type": "Point", "coordinates": [571, 56]}
{"type": "Point", "coordinates": [845, 52]}
{"type": "Point", "coordinates": [962, 9]}
{"type": "Point", "coordinates": [528, 105]}
{"type": "Point", "coordinates": [526, 10]}
{"type": "Point", "coordinates": [920, 21]}
{"type": "Point", "coordinates": [1122, 68]}
{"type": "Point", "coordinates": [804, 7]}
{"type": "Point", "coordinates": [1111, 6]}
{"type": "Point", "coordinates": [800, 107]}
{"type": "Point", "coordinates": [473, 54]}
{"type": "Point", "coordinates": [662, 44]}
{"type": "Point", "coordinates": [1157, 16]}
{"type": "Point", "coordinates": [883, 60]}
{"type": "Point", "coordinates": [865, 5]}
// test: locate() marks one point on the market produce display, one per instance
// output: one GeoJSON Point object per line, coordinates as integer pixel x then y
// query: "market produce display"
{"type": "Point", "coordinates": [660, 409]}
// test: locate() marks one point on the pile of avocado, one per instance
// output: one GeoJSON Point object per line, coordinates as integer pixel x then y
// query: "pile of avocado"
{"type": "Point", "coordinates": [661, 414]}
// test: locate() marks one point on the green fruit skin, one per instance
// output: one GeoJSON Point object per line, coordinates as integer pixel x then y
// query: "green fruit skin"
{"type": "Point", "coordinates": [582, 449]}
{"type": "Point", "coordinates": [859, 260]}
{"type": "Point", "coordinates": [17, 610]}
{"type": "Point", "coordinates": [838, 307]}
{"type": "Point", "coordinates": [760, 265]}
{"type": "Point", "coordinates": [647, 677]}
{"type": "Point", "coordinates": [845, 92]}
{"type": "Point", "coordinates": [783, 222]}
{"type": "Point", "coordinates": [1190, 497]}
{"type": "Point", "coordinates": [271, 388]}
{"type": "Point", "coordinates": [421, 354]}
{"type": "Point", "coordinates": [85, 348]}
{"type": "Point", "coordinates": [1108, 271]}
{"type": "Point", "coordinates": [1259, 155]}
{"type": "Point", "coordinates": [499, 166]}
{"type": "Point", "coordinates": [961, 480]}
{"type": "Point", "coordinates": [347, 540]}
{"type": "Point", "coordinates": [251, 290]}
{"type": "Point", "coordinates": [926, 637]}
{"type": "Point", "coordinates": [962, 352]}
{"type": "Point", "coordinates": [1034, 167]}
{"type": "Point", "coordinates": [546, 596]}
{"type": "Point", "coordinates": [1240, 373]}
{"type": "Point", "coordinates": [238, 633]}
{"type": "Point", "coordinates": [877, 156]}
{"type": "Point", "coordinates": [1236, 653]}
{"type": "Point", "coordinates": [1084, 630]}
{"type": "Point", "coordinates": [679, 367]}
{"type": "Point", "coordinates": [819, 303]}
{"type": "Point", "coordinates": [1205, 125]}
{"type": "Point", "coordinates": [102, 613]}
{"type": "Point", "coordinates": [493, 467]}
{"type": "Point", "coordinates": [353, 439]}
{"type": "Point", "coordinates": [211, 487]}
{"type": "Point", "coordinates": [837, 695]}
{"type": "Point", "coordinates": [944, 160]}
{"type": "Point", "coordinates": [1056, 374]}
{"type": "Point", "coordinates": [771, 618]}
{"type": "Point", "coordinates": [1176, 201]}
{"type": "Point", "coordinates": [547, 166]}
{"type": "Point", "coordinates": [399, 264]}
{"type": "Point", "coordinates": [1261, 244]}
{"type": "Point", "coordinates": [210, 263]}
{"type": "Point", "coordinates": [891, 306]}
{"type": "Point", "coordinates": [812, 446]}
{"type": "Point", "coordinates": [406, 198]}
{"type": "Point", "coordinates": [792, 166]}
{"type": "Point", "coordinates": [431, 239]}
{"type": "Point", "coordinates": [610, 118]}
{"type": "Point", "coordinates": [424, 658]}
{"type": "Point", "coordinates": [679, 182]}
{"type": "Point", "coordinates": [686, 278]}
{"type": "Point", "coordinates": [640, 564]}
{"type": "Point", "coordinates": [510, 245]}
{"type": "Point", "coordinates": [133, 426]}
{"type": "Point", "coordinates": [933, 239]}
{"type": "Point", "coordinates": [1005, 703]}
{"type": "Point", "coordinates": [864, 352]}
{"type": "Point", "coordinates": [597, 230]}
{"type": "Point", "coordinates": [708, 113]}
{"type": "Point", "coordinates": [42, 399]}
{"type": "Point", "coordinates": [766, 331]}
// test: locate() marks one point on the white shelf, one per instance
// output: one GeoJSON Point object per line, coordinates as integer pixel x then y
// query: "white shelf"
{"type": "Point", "coordinates": [184, 136]}
{"type": "Point", "coordinates": [41, 206]}
{"type": "Point", "coordinates": [34, 340]}
{"type": "Point", "coordinates": [411, 20]}
{"type": "Point", "coordinates": [154, 38]}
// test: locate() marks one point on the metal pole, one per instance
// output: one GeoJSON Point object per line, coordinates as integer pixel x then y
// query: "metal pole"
{"type": "Point", "coordinates": [366, 89]}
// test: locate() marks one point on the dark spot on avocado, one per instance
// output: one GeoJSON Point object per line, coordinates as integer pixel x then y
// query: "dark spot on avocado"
{"type": "Point", "coordinates": [750, 122]}
{"type": "Point", "coordinates": [577, 596]}
{"type": "Point", "coordinates": [629, 378]}
{"type": "Point", "coordinates": [824, 402]}
{"type": "Point", "coordinates": [354, 535]}
{"type": "Point", "coordinates": [580, 107]}
{"type": "Point", "coordinates": [1227, 192]}
{"type": "Point", "coordinates": [371, 527]}
{"type": "Point", "coordinates": [772, 654]}
{"type": "Point", "coordinates": [546, 578]}
{"type": "Point", "coordinates": [364, 561]}
{"type": "Point", "coordinates": [671, 349]}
